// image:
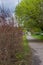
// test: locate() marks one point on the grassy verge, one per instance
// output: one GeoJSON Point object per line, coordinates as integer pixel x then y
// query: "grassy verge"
{"type": "Point", "coordinates": [25, 56]}
{"type": "Point", "coordinates": [38, 36]}
{"type": "Point", "coordinates": [26, 44]}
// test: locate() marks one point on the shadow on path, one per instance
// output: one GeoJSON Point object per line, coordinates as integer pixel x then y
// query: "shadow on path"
{"type": "Point", "coordinates": [35, 40]}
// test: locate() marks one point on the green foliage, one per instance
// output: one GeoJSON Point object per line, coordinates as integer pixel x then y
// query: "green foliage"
{"type": "Point", "coordinates": [40, 37]}
{"type": "Point", "coordinates": [25, 45]}
{"type": "Point", "coordinates": [30, 14]}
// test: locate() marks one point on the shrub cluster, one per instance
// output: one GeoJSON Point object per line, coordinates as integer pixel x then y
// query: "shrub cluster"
{"type": "Point", "coordinates": [10, 44]}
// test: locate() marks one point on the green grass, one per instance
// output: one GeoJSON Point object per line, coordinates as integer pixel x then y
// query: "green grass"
{"type": "Point", "coordinates": [26, 48]}
{"type": "Point", "coordinates": [38, 36]}
{"type": "Point", "coordinates": [25, 55]}
{"type": "Point", "coordinates": [25, 44]}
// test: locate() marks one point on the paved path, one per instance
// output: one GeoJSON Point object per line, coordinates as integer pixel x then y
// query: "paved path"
{"type": "Point", "coordinates": [37, 49]}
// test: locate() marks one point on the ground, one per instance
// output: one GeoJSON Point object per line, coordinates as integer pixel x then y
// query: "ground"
{"type": "Point", "coordinates": [37, 50]}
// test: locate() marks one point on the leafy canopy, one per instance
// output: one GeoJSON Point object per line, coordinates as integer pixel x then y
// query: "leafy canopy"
{"type": "Point", "coordinates": [30, 14]}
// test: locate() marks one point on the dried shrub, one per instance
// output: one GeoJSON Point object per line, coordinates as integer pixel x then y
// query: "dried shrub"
{"type": "Point", "coordinates": [10, 44]}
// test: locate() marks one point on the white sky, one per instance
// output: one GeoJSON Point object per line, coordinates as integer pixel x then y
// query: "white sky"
{"type": "Point", "coordinates": [9, 3]}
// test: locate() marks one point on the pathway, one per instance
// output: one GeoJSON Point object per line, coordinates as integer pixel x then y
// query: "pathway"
{"type": "Point", "coordinates": [37, 49]}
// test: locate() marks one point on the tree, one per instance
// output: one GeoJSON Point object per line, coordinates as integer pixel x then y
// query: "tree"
{"type": "Point", "coordinates": [30, 14]}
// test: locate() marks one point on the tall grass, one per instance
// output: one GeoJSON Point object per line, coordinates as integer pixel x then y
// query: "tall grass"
{"type": "Point", "coordinates": [14, 48]}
